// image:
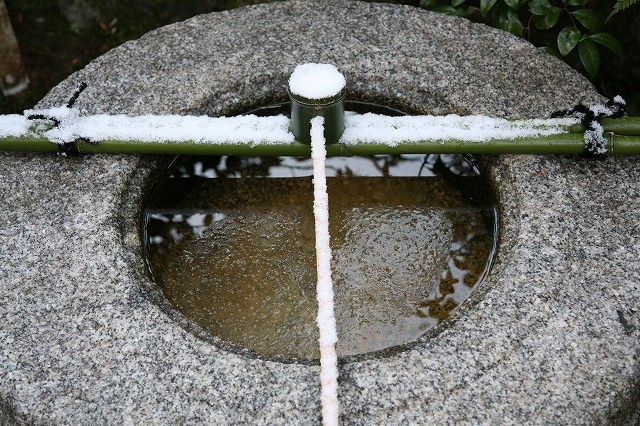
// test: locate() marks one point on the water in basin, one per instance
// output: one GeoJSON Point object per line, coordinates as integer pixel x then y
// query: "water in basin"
{"type": "Point", "coordinates": [230, 241]}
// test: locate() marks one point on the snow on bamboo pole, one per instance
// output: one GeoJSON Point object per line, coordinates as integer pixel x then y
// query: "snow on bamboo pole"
{"type": "Point", "coordinates": [365, 134]}
{"type": "Point", "coordinates": [326, 319]}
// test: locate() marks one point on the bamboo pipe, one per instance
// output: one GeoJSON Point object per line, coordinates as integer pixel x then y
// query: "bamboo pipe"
{"type": "Point", "coordinates": [623, 135]}
{"type": "Point", "coordinates": [564, 143]}
{"type": "Point", "coordinates": [629, 126]}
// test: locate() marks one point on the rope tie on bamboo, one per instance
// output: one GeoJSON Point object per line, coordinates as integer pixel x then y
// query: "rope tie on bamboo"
{"type": "Point", "coordinates": [595, 144]}
{"type": "Point", "coordinates": [67, 148]}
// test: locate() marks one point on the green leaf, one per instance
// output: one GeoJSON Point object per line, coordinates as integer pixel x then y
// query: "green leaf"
{"type": "Point", "coordinates": [547, 21]}
{"type": "Point", "coordinates": [450, 10]}
{"type": "Point", "coordinates": [613, 12]}
{"type": "Point", "coordinates": [456, 3]}
{"type": "Point", "coordinates": [550, 50]}
{"type": "Point", "coordinates": [568, 38]}
{"type": "Point", "coordinates": [539, 7]}
{"type": "Point", "coordinates": [589, 19]}
{"type": "Point", "coordinates": [609, 41]}
{"type": "Point", "coordinates": [620, 5]}
{"type": "Point", "coordinates": [471, 10]}
{"type": "Point", "coordinates": [513, 4]}
{"type": "Point", "coordinates": [426, 4]}
{"type": "Point", "coordinates": [486, 5]}
{"type": "Point", "coordinates": [509, 20]}
{"type": "Point", "coordinates": [575, 3]}
{"type": "Point", "coordinates": [589, 56]}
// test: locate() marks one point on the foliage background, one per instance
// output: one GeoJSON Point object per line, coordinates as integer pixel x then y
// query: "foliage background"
{"type": "Point", "coordinates": [59, 37]}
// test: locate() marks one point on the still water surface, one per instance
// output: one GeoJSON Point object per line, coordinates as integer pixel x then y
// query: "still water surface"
{"type": "Point", "coordinates": [230, 241]}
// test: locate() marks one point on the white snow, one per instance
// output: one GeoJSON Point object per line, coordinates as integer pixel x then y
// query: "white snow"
{"type": "Point", "coordinates": [382, 129]}
{"type": "Point", "coordinates": [595, 139]}
{"type": "Point", "coordinates": [62, 114]}
{"type": "Point", "coordinates": [14, 125]}
{"type": "Point", "coordinates": [619, 100]}
{"type": "Point", "coordinates": [316, 81]}
{"type": "Point", "coordinates": [253, 130]}
{"type": "Point", "coordinates": [244, 129]}
{"type": "Point", "coordinates": [326, 319]}
{"type": "Point", "coordinates": [601, 109]}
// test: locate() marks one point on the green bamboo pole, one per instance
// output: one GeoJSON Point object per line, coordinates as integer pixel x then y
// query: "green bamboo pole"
{"type": "Point", "coordinates": [625, 145]}
{"type": "Point", "coordinates": [28, 143]}
{"type": "Point", "coordinates": [629, 126]}
{"type": "Point", "coordinates": [190, 148]}
{"type": "Point", "coordinates": [623, 134]}
{"type": "Point", "coordinates": [565, 143]}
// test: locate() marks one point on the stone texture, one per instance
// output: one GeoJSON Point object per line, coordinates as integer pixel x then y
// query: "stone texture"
{"type": "Point", "coordinates": [551, 338]}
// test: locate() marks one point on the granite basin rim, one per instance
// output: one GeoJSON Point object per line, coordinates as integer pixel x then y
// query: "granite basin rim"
{"type": "Point", "coordinates": [546, 342]}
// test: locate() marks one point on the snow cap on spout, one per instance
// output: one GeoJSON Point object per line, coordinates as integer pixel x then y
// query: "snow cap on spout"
{"type": "Point", "coordinates": [317, 90]}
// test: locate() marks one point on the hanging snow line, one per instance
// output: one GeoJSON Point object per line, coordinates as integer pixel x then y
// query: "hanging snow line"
{"type": "Point", "coordinates": [326, 320]}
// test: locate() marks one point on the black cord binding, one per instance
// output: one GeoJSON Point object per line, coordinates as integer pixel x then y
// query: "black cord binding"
{"type": "Point", "coordinates": [66, 148]}
{"type": "Point", "coordinates": [595, 144]}
{"type": "Point", "coordinates": [76, 93]}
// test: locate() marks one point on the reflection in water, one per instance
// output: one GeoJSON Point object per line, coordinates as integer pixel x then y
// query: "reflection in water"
{"type": "Point", "coordinates": [234, 251]}
{"type": "Point", "coordinates": [291, 167]}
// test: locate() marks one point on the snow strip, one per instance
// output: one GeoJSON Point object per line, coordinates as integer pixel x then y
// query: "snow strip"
{"type": "Point", "coordinates": [383, 129]}
{"type": "Point", "coordinates": [253, 130]}
{"type": "Point", "coordinates": [326, 320]}
{"type": "Point", "coordinates": [14, 125]}
{"type": "Point", "coordinates": [243, 129]}
{"type": "Point", "coordinates": [316, 81]}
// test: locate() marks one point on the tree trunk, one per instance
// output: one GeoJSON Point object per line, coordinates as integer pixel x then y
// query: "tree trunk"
{"type": "Point", "coordinates": [13, 77]}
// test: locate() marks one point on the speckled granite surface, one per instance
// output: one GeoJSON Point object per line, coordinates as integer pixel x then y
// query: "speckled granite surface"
{"type": "Point", "coordinates": [552, 338]}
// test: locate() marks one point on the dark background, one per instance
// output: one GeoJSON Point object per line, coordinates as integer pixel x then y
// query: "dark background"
{"type": "Point", "coordinates": [58, 37]}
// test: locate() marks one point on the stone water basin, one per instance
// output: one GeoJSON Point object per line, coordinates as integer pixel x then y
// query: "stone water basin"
{"type": "Point", "coordinates": [550, 338]}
